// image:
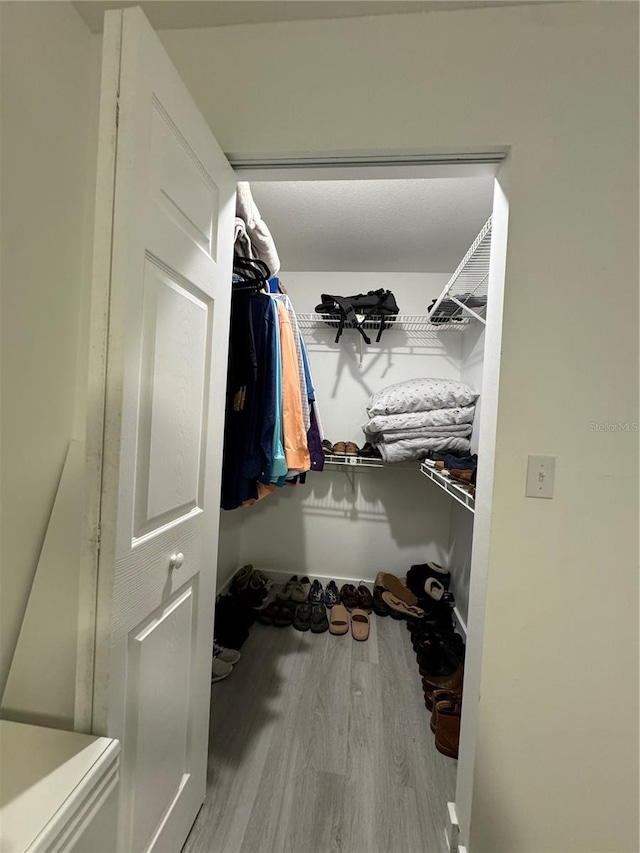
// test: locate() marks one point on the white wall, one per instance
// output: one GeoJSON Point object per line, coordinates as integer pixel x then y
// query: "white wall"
{"type": "Point", "coordinates": [555, 768]}
{"type": "Point", "coordinates": [49, 104]}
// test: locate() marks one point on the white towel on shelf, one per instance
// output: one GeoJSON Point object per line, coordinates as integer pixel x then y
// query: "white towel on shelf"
{"type": "Point", "coordinates": [260, 236]}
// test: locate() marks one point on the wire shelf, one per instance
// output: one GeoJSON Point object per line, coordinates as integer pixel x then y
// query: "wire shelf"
{"type": "Point", "coordinates": [465, 294]}
{"type": "Point", "coordinates": [409, 323]}
{"type": "Point", "coordinates": [456, 490]}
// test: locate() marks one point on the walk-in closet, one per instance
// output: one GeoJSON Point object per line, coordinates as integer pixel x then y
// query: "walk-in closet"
{"type": "Point", "coordinates": [319, 741]}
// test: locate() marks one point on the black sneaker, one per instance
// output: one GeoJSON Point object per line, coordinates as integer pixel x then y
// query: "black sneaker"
{"type": "Point", "coordinates": [302, 619]}
{"type": "Point", "coordinates": [331, 594]}
{"type": "Point", "coordinates": [380, 606]}
{"type": "Point", "coordinates": [316, 593]}
{"type": "Point", "coordinates": [319, 621]}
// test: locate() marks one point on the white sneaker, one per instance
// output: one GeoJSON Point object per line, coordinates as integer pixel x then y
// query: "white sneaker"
{"type": "Point", "coordinates": [220, 669]}
{"type": "Point", "coordinates": [227, 655]}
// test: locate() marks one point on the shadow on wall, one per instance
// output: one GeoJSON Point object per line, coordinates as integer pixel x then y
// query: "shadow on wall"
{"type": "Point", "coordinates": [393, 345]}
{"type": "Point", "coordinates": [311, 528]}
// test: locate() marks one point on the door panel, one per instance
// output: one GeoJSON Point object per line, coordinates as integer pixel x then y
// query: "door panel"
{"type": "Point", "coordinates": [160, 669]}
{"type": "Point", "coordinates": [173, 399]}
{"type": "Point", "coordinates": [169, 301]}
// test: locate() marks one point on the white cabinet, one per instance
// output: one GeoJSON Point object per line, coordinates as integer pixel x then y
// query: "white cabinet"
{"type": "Point", "coordinates": [58, 790]}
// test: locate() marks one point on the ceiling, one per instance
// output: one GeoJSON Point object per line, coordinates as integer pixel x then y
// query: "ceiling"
{"type": "Point", "coordinates": [418, 225]}
{"type": "Point", "coordinates": [182, 14]}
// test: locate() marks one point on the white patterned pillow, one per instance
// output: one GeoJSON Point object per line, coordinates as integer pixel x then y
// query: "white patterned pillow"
{"type": "Point", "coordinates": [420, 395]}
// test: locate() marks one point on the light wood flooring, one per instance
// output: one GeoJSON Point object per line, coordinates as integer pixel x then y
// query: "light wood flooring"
{"type": "Point", "coordinates": [320, 744]}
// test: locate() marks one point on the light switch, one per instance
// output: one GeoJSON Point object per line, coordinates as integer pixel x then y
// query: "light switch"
{"type": "Point", "coordinates": [541, 473]}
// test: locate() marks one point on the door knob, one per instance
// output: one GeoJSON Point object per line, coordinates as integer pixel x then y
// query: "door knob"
{"type": "Point", "coordinates": [176, 560]}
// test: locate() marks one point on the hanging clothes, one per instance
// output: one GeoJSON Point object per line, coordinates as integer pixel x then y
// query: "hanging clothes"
{"type": "Point", "coordinates": [251, 399]}
{"type": "Point", "coordinates": [295, 431]}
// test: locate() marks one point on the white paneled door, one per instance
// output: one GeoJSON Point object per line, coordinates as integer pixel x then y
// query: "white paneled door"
{"type": "Point", "coordinates": [168, 268]}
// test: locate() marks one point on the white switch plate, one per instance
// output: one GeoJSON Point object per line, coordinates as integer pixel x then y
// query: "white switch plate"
{"type": "Point", "coordinates": [541, 475]}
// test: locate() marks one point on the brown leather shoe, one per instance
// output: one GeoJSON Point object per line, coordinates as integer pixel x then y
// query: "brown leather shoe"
{"type": "Point", "coordinates": [351, 449]}
{"type": "Point", "coordinates": [448, 729]}
{"type": "Point", "coordinates": [349, 596]}
{"type": "Point", "coordinates": [430, 693]}
{"type": "Point", "coordinates": [442, 699]}
{"type": "Point", "coordinates": [365, 599]}
{"type": "Point", "coordinates": [443, 682]}
{"type": "Point", "coordinates": [461, 476]}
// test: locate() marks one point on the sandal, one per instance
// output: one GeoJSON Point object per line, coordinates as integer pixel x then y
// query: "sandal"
{"type": "Point", "coordinates": [339, 621]}
{"type": "Point", "coordinates": [394, 584]}
{"type": "Point", "coordinates": [399, 607]}
{"type": "Point", "coordinates": [360, 625]}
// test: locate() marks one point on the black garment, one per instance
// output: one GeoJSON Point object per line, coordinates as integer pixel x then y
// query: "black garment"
{"type": "Point", "coordinates": [251, 399]}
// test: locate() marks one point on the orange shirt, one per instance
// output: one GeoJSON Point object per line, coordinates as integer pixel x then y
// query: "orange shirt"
{"type": "Point", "coordinates": [296, 450]}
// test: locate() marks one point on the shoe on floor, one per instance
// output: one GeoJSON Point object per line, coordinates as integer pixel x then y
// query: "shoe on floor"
{"type": "Point", "coordinates": [284, 615]}
{"type": "Point", "coordinates": [349, 596]}
{"type": "Point", "coordinates": [448, 728]}
{"type": "Point", "coordinates": [395, 586]}
{"type": "Point", "coordinates": [319, 621]}
{"type": "Point", "coordinates": [287, 591]}
{"type": "Point", "coordinates": [365, 599]}
{"type": "Point", "coordinates": [380, 607]}
{"type": "Point", "coordinates": [269, 613]}
{"type": "Point", "coordinates": [316, 593]}
{"type": "Point", "coordinates": [226, 655]}
{"type": "Point", "coordinates": [400, 609]}
{"type": "Point", "coordinates": [339, 620]}
{"type": "Point", "coordinates": [359, 625]}
{"type": "Point", "coordinates": [331, 594]}
{"type": "Point", "coordinates": [301, 590]}
{"type": "Point", "coordinates": [220, 669]}
{"type": "Point", "coordinates": [302, 618]}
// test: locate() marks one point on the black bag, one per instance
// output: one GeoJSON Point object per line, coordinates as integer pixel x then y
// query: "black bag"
{"type": "Point", "coordinates": [377, 308]}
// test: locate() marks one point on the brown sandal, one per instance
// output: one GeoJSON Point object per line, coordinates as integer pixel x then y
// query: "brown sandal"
{"type": "Point", "coordinates": [359, 625]}
{"type": "Point", "coordinates": [406, 610]}
{"type": "Point", "coordinates": [394, 584]}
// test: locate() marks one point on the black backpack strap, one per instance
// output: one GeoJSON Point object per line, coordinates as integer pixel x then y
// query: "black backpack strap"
{"type": "Point", "coordinates": [348, 313]}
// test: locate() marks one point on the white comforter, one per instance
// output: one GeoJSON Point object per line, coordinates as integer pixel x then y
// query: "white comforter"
{"type": "Point", "coordinates": [410, 449]}
{"type": "Point", "coordinates": [453, 431]}
{"type": "Point", "coordinates": [419, 420]}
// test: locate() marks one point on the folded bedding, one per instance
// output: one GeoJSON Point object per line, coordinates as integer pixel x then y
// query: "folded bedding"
{"type": "Point", "coordinates": [419, 420]}
{"type": "Point", "coordinates": [420, 395]}
{"type": "Point", "coordinates": [411, 449]}
{"type": "Point", "coordinates": [454, 431]}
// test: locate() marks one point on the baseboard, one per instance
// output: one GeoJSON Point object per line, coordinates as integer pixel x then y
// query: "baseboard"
{"type": "Point", "coordinates": [462, 625]}
{"type": "Point", "coordinates": [452, 830]}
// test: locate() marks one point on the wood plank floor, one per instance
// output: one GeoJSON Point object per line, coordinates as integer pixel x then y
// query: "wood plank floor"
{"type": "Point", "coordinates": [320, 744]}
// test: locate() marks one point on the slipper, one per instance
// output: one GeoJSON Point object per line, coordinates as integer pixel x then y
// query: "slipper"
{"type": "Point", "coordinates": [339, 448]}
{"type": "Point", "coordinates": [359, 625]}
{"type": "Point", "coordinates": [393, 584]}
{"type": "Point", "coordinates": [405, 610]}
{"type": "Point", "coordinates": [351, 449]}
{"type": "Point", "coordinates": [339, 620]}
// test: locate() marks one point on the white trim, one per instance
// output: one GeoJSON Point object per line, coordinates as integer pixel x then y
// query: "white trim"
{"type": "Point", "coordinates": [366, 166]}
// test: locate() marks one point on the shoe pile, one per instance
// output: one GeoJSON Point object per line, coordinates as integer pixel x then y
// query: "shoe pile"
{"type": "Point", "coordinates": [462, 469]}
{"type": "Point", "coordinates": [352, 615]}
{"type": "Point", "coordinates": [223, 662]}
{"type": "Point", "coordinates": [236, 611]}
{"type": "Point", "coordinates": [350, 448]}
{"type": "Point", "coordinates": [439, 652]}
